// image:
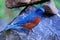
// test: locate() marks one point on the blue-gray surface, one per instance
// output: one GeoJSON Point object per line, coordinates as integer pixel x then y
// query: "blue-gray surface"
{"type": "Point", "coordinates": [47, 29]}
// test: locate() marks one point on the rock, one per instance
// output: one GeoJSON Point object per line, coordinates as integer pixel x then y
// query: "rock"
{"type": "Point", "coordinates": [18, 3]}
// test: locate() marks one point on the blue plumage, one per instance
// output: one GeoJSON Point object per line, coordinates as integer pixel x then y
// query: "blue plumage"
{"type": "Point", "coordinates": [30, 17]}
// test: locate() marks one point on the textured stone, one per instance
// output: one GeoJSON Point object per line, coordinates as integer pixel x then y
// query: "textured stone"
{"type": "Point", "coordinates": [17, 3]}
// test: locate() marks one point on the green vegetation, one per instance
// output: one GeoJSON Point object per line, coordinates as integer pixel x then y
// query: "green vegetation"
{"type": "Point", "coordinates": [4, 15]}
{"type": "Point", "coordinates": [57, 2]}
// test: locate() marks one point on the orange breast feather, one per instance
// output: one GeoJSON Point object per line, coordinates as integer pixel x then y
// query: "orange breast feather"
{"type": "Point", "coordinates": [31, 25]}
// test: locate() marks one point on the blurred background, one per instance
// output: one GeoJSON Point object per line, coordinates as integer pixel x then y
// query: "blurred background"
{"type": "Point", "coordinates": [7, 15]}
